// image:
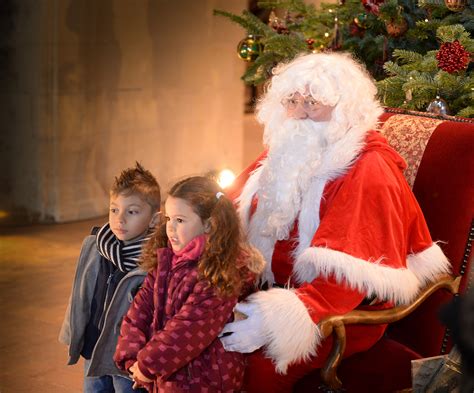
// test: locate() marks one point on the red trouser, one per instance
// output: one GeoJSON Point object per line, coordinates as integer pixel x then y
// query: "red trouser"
{"type": "Point", "coordinates": [260, 375]}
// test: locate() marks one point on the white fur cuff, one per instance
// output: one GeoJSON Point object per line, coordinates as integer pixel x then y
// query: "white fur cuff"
{"type": "Point", "coordinates": [428, 264]}
{"type": "Point", "coordinates": [397, 285]}
{"type": "Point", "coordinates": [291, 333]}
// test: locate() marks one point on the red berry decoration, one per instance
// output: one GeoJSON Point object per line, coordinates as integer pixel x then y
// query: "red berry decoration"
{"type": "Point", "coordinates": [452, 57]}
{"type": "Point", "coordinates": [372, 6]}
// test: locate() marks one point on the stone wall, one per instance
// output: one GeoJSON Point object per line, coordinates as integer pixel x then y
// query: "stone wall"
{"type": "Point", "coordinates": [92, 86]}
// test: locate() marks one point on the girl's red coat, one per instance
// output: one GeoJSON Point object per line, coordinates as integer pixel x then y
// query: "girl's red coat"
{"type": "Point", "coordinates": [172, 327]}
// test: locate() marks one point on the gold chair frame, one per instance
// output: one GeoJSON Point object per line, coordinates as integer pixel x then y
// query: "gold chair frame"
{"type": "Point", "coordinates": [335, 325]}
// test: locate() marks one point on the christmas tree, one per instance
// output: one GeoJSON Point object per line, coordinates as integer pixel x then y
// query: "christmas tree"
{"type": "Point", "coordinates": [418, 52]}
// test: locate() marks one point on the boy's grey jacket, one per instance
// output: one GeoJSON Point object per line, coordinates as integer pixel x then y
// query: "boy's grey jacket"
{"type": "Point", "coordinates": [78, 311]}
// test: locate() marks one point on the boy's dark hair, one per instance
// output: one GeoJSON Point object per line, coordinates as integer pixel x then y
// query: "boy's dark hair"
{"type": "Point", "coordinates": [139, 181]}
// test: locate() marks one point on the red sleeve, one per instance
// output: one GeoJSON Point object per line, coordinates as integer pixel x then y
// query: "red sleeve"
{"type": "Point", "coordinates": [325, 297]}
{"type": "Point", "coordinates": [136, 325]}
{"type": "Point", "coordinates": [186, 334]}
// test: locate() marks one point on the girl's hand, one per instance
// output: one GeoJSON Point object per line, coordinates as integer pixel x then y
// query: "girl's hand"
{"type": "Point", "coordinates": [138, 378]}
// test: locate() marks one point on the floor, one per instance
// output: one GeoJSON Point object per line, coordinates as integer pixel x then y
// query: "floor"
{"type": "Point", "coordinates": [37, 266]}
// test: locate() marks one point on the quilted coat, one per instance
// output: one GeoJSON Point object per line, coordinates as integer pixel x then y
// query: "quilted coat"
{"type": "Point", "coordinates": [172, 326]}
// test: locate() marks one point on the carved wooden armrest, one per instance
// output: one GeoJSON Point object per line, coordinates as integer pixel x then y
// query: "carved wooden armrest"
{"type": "Point", "coordinates": [335, 325]}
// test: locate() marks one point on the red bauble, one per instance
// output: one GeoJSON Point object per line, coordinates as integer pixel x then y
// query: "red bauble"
{"type": "Point", "coordinates": [356, 31]}
{"type": "Point", "coordinates": [452, 57]}
{"type": "Point", "coordinates": [278, 24]}
{"type": "Point", "coordinates": [310, 42]}
{"type": "Point", "coordinates": [372, 6]}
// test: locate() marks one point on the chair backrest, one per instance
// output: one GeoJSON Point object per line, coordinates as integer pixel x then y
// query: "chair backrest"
{"type": "Point", "coordinates": [440, 156]}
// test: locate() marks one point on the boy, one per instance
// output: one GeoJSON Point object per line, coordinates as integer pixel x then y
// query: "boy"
{"type": "Point", "coordinates": [107, 278]}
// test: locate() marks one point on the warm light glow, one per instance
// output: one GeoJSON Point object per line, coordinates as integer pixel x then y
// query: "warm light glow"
{"type": "Point", "coordinates": [226, 178]}
{"type": "Point", "coordinates": [3, 214]}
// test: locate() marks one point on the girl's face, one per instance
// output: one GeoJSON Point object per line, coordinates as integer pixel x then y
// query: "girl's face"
{"type": "Point", "coordinates": [183, 224]}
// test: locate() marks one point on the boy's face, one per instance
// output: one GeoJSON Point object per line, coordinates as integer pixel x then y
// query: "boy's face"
{"type": "Point", "coordinates": [130, 217]}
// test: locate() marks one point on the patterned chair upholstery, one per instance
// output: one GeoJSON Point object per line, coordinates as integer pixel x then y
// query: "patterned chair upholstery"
{"type": "Point", "coordinates": [440, 157]}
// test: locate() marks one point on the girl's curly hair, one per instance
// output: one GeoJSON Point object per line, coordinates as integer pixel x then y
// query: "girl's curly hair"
{"type": "Point", "coordinates": [224, 260]}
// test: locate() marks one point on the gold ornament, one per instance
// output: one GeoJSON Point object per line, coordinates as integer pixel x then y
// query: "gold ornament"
{"type": "Point", "coordinates": [396, 29]}
{"type": "Point", "coordinates": [249, 48]}
{"type": "Point", "coordinates": [455, 5]}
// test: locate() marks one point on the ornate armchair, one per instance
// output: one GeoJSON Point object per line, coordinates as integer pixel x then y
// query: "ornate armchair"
{"type": "Point", "coordinates": [439, 153]}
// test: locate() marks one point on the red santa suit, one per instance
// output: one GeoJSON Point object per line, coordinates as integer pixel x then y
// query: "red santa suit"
{"type": "Point", "coordinates": [359, 234]}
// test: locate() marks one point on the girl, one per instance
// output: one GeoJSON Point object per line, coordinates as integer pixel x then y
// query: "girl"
{"type": "Point", "coordinates": [198, 267]}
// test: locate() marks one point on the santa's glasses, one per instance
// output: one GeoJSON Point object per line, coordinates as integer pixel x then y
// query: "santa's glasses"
{"type": "Point", "coordinates": [308, 103]}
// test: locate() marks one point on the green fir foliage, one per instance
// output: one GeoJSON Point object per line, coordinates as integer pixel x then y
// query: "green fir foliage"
{"type": "Point", "coordinates": [414, 80]}
{"type": "Point", "coordinates": [398, 43]}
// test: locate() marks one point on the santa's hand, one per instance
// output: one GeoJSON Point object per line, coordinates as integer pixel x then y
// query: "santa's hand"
{"type": "Point", "coordinates": [246, 335]}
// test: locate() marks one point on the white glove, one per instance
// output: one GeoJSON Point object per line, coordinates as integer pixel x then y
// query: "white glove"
{"type": "Point", "coordinates": [247, 335]}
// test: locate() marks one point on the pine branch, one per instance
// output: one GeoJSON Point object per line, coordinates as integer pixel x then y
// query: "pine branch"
{"type": "Point", "coordinates": [249, 22]}
{"type": "Point", "coordinates": [464, 100]}
{"type": "Point", "coordinates": [297, 6]}
{"type": "Point", "coordinates": [422, 92]}
{"type": "Point", "coordinates": [261, 68]}
{"type": "Point", "coordinates": [428, 3]}
{"type": "Point", "coordinates": [428, 64]}
{"type": "Point", "coordinates": [449, 85]}
{"type": "Point", "coordinates": [420, 80]}
{"type": "Point", "coordinates": [393, 69]}
{"type": "Point", "coordinates": [420, 102]}
{"type": "Point", "coordinates": [467, 19]}
{"type": "Point", "coordinates": [390, 91]}
{"type": "Point", "coordinates": [287, 46]}
{"type": "Point", "coordinates": [405, 56]}
{"type": "Point", "coordinates": [451, 33]}
{"type": "Point", "coordinates": [466, 112]}
{"type": "Point", "coordinates": [391, 11]}
{"type": "Point", "coordinates": [423, 31]}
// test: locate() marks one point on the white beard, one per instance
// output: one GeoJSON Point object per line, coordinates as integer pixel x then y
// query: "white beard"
{"type": "Point", "coordinates": [303, 155]}
{"type": "Point", "coordinates": [294, 156]}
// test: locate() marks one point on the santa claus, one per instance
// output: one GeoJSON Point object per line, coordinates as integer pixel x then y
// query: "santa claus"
{"type": "Point", "coordinates": [328, 207]}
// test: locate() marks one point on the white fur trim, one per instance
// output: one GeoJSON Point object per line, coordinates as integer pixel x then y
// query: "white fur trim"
{"type": "Point", "coordinates": [397, 285]}
{"type": "Point", "coordinates": [308, 217]}
{"type": "Point", "coordinates": [264, 244]}
{"type": "Point", "coordinates": [291, 333]}
{"type": "Point", "coordinates": [245, 199]}
{"type": "Point", "coordinates": [428, 264]}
